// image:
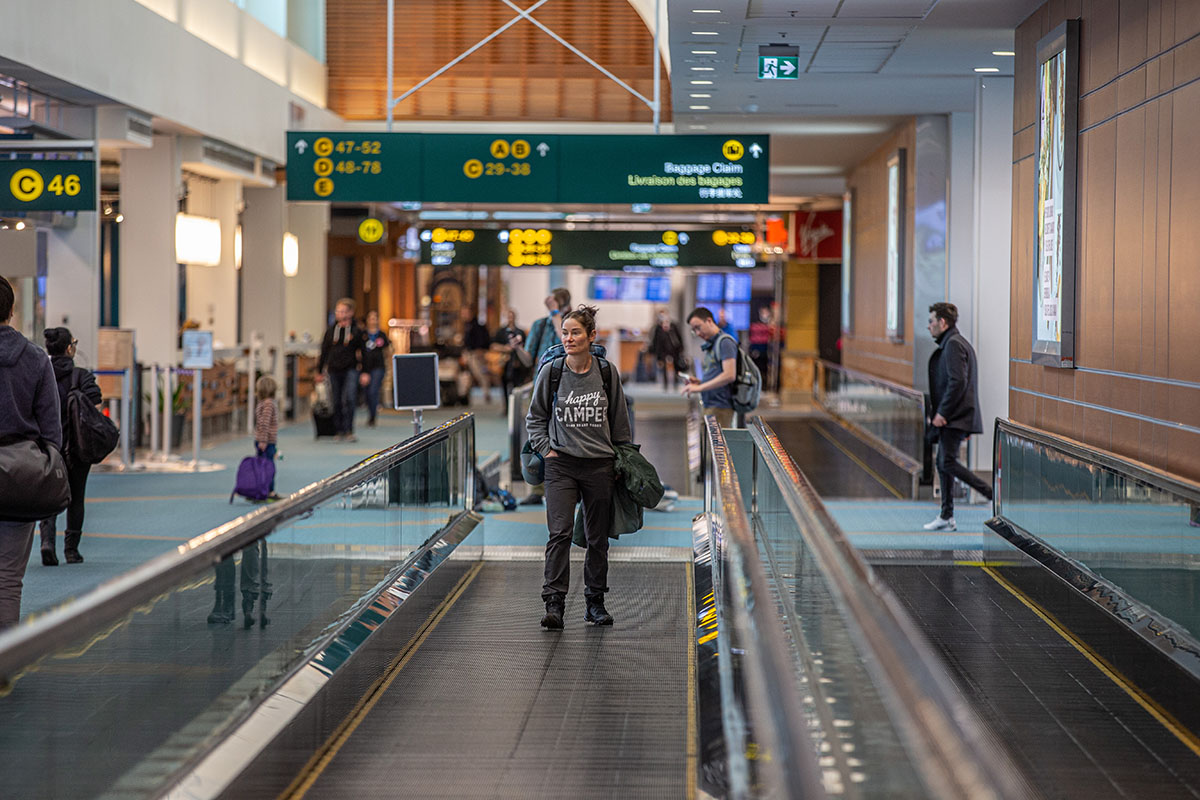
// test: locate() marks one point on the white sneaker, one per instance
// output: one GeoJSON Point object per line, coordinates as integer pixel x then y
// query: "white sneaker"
{"type": "Point", "coordinates": [940, 524]}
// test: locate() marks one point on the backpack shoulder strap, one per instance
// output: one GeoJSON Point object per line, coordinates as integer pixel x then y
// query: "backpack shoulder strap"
{"type": "Point", "coordinates": [556, 371]}
{"type": "Point", "coordinates": [737, 356]}
{"type": "Point", "coordinates": [606, 377]}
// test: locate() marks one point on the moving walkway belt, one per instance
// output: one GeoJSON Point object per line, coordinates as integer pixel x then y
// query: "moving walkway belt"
{"type": "Point", "coordinates": [486, 704]}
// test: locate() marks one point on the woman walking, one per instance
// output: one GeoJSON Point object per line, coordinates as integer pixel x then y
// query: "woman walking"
{"type": "Point", "coordinates": [575, 426]}
{"type": "Point", "coordinates": [61, 347]}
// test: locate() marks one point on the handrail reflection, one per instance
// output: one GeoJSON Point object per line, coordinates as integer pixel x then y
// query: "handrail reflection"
{"type": "Point", "coordinates": [954, 754]}
{"type": "Point", "coordinates": [897, 388]}
{"type": "Point", "coordinates": [114, 599]}
{"type": "Point", "coordinates": [772, 686]}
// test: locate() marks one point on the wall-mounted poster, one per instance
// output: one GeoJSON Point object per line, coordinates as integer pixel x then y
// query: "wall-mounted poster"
{"type": "Point", "coordinates": [1054, 240]}
{"type": "Point", "coordinates": [895, 246]}
{"type": "Point", "coordinates": [847, 261]}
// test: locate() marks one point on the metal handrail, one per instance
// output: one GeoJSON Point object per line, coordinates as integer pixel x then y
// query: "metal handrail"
{"type": "Point", "coordinates": [958, 760]}
{"type": "Point", "coordinates": [1185, 488]}
{"type": "Point", "coordinates": [774, 691]}
{"type": "Point", "coordinates": [898, 388]}
{"type": "Point", "coordinates": [112, 600]}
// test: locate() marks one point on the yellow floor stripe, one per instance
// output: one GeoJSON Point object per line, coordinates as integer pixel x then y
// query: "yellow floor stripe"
{"type": "Point", "coordinates": [860, 463]}
{"type": "Point", "coordinates": [1164, 717]}
{"type": "Point", "coordinates": [692, 730]}
{"type": "Point", "coordinates": [321, 760]}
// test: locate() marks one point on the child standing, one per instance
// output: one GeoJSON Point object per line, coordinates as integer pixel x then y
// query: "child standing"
{"type": "Point", "coordinates": [266, 423]}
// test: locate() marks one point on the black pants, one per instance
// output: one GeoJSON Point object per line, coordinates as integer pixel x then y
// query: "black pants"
{"type": "Point", "coordinates": [677, 361]}
{"type": "Point", "coordinates": [569, 479]}
{"type": "Point", "coordinates": [949, 468]}
{"type": "Point", "coordinates": [77, 475]}
{"type": "Point", "coordinates": [343, 388]}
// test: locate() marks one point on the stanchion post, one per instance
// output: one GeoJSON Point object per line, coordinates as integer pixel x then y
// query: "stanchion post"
{"type": "Point", "coordinates": [196, 395]}
{"type": "Point", "coordinates": [251, 373]}
{"type": "Point", "coordinates": [168, 411]}
{"type": "Point", "coordinates": [416, 421]}
{"type": "Point", "coordinates": [154, 429]}
{"type": "Point", "coordinates": [126, 414]}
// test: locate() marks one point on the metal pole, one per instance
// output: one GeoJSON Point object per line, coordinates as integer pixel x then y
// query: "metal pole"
{"type": "Point", "coordinates": [154, 390]}
{"type": "Point", "coordinates": [251, 372]}
{"type": "Point", "coordinates": [657, 66]}
{"type": "Point", "coordinates": [168, 412]}
{"type": "Point", "coordinates": [391, 47]}
{"type": "Point", "coordinates": [196, 373]}
{"type": "Point", "coordinates": [126, 407]}
{"type": "Point", "coordinates": [416, 421]}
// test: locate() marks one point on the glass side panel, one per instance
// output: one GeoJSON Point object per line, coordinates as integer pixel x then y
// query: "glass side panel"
{"type": "Point", "coordinates": [856, 740]}
{"type": "Point", "coordinates": [894, 418]}
{"type": "Point", "coordinates": [1143, 538]}
{"type": "Point", "coordinates": [119, 711]}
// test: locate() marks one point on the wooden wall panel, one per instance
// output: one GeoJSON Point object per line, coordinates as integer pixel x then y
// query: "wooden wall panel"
{"type": "Point", "coordinates": [522, 74]}
{"type": "Point", "coordinates": [867, 348]}
{"type": "Point", "coordinates": [1136, 389]}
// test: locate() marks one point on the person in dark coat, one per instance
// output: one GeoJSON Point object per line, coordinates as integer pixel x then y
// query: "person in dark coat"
{"type": "Point", "coordinates": [341, 364]}
{"type": "Point", "coordinates": [666, 345]}
{"type": "Point", "coordinates": [954, 389]}
{"type": "Point", "coordinates": [509, 340]}
{"type": "Point", "coordinates": [60, 344]}
{"type": "Point", "coordinates": [30, 412]}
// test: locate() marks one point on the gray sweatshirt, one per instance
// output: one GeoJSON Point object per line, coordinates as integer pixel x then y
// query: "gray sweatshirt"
{"type": "Point", "coordinates": [578, 425]}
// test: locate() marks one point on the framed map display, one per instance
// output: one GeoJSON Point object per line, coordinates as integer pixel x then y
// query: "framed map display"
{"type": "Point", "coordinates": [1054, 266]}
{"type": "Point", "coordinates": [895, 246]}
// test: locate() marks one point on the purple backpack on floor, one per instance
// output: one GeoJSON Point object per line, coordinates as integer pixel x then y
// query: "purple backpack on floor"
{"type": "Point", "coordinates": [254, 477]}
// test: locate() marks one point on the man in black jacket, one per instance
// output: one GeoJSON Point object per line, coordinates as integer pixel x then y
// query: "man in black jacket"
{"type": "Point", "coordinates": [341, 364]}
{"type": "Point", "coordinates": [954, 388]}
{"type": "Point", "coordinates": [28, 411]}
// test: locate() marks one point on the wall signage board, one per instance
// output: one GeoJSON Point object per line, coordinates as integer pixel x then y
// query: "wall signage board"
{"type": "Point", "coordinates": [895, 245]}
{"type": "Point", "coordinates": [527, 168]}
{"type": "Point", "coordinates": [1054, 267]}
{"type": "Point", "coordinates": [612, 250]}
{"type": "Point", "coordinates": [848, 261]}
{"type": "Point", "coordinates": [36, 185]}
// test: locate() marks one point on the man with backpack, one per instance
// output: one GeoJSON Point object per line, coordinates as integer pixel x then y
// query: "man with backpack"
{"type": "Point", "coordinates": [724, 369]}
{"type": "Point", "coordinates": [544, 334]}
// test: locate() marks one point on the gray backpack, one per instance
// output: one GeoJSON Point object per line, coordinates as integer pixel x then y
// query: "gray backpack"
{"type": "Point", "coordinates": [747, 386]}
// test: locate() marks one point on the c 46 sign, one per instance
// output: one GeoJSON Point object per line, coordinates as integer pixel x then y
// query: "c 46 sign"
{"type": "Point", "coordinates": [47, 186]}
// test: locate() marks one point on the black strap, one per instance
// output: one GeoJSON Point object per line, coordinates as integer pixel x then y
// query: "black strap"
{"type": "Point", "coordinates": [737, 357]}
{"type": "Point", "coordinates": [556, 371]}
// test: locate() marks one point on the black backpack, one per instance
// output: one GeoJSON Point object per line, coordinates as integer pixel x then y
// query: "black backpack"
{"type": "Point", "coordinates": [88, 435]}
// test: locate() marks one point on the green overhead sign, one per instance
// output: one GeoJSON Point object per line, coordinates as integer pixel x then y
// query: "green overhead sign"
{"type": "Point", "coordinates": [37, 185]}
{"type": "Point", "coordinates": [778, 67]}
{"type": "Point", "coordinates": [529, 247]}
{"type": "Point", "coordinates": [527, 168]}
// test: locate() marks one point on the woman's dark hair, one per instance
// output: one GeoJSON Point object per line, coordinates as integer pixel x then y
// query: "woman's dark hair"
{"type": "Point", "coordinates": [7, 299]}
{"type": "Point", "coordinates": [57, 341]}
{"type": "Point", "coordinates": [586, 316]}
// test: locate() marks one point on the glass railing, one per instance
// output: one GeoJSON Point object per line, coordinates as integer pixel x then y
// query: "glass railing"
{"type": "Point", "coordinates": [892, 414]}
{"type": "Point", "coordinates": [843, 695]}
{"type": "Point", "coordinates": [1130, 524]}
{"type": "Point", "coordinates": [518, 406]}
{"type": "Point", "coordinates": [123, 691]}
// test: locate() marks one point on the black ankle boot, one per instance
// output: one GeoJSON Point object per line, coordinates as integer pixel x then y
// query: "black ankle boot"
{"type": "Point", "coordinates": [248, 599]}
{"type": "Point", "coordinates": [553, 621]}
{"type": "Point", "coordinates": [596, 614]}
{"type": "Point", "coordinates": [71, 546]}
{"type": "Point", "coordinates": [262, 609]}
{"type": "Point", "coordinates": [49, 559]}
{"type": "Point", "coordinates": [222, 613]}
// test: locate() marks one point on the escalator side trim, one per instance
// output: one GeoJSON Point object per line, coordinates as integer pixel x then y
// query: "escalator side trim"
{"type": "Point", "coordinates": [862, 464]}
{"type": "Point", "coordinates": [322, 758]}
{"type": "Point", "coordinates": [1160, 714]}
{"type": "Point", "coordinates": [693, 732]}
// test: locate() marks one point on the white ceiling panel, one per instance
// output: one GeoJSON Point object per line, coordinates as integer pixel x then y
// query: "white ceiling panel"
{"type": "Point", "coordinates": [885, 9]}
{"type": "Point", "coordinates": [791, 8]}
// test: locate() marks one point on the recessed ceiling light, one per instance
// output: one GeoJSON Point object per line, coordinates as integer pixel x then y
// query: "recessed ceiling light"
{"type": "Point", "coordinates": [704, 33]}
{"type": "Point", "coordinates": [703, 69]}
{"type": "Point", "coordinates": [987, 69]}
{"type": "Point", "coordinates": [704, 52]}
{"type": "Point", "coordinates": [700, 108]}
{"type": "Point", "coordinates": [697, 127]}
{"type": "Point", "coordinates": [701, 83]}
{"type": "Point", "coordinates": [706, 11]}
{"type": "Point", "coordinates": [1003, 53]}
{"type": "Point", "coordinates": [699, 94]}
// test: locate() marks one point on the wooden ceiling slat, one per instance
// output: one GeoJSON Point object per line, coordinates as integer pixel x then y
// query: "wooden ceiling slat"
{"type": "Point", "coordinates": [522, 73]}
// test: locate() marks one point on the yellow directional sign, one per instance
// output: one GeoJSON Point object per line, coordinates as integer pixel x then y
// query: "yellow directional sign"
{"type": "Point", "coordinates": [733, 150]}
{"type": "Point", "coordinates": [473, 168]}
{"type": "Point", "coordinates": [323, 146]}
{"type": "Point", "coordinates": [323, 187]}
{"type": "Point", "coordinates": [370, 230]}
{"type": "Point", "coordinates": [47, 185]}
{"type": "Point", "coordinates": [323, 167]}
{"type": "Point", "coordinates": [500, 149]}
{"type": "Point", "coordinates": [520, 149]}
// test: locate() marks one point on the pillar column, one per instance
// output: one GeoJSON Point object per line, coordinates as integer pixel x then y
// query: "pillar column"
{"type": "Point", "coordinates": [264, 288]}
{"type": "Point", "coordinates": [212, 291]}
{"type": "Point", "coordinates": [305, 293]}
{"type": "Point", "coordinates": [150, 181]}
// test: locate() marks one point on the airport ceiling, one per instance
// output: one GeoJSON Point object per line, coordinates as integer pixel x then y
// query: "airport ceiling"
{"type": "Point", "coordinates": [863, 66]}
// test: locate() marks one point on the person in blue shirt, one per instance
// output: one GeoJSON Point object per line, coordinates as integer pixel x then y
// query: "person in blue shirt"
{"type": "Point", "coordinates": [719, 367]}
{"type": "Point", "coordinates": [544, 333]}
{"type": "Point", "coordinates": [725, 325]}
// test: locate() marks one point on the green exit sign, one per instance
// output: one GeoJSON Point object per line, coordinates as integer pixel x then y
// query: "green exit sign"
{"type": "Point", "coordinates": [772, 68]}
